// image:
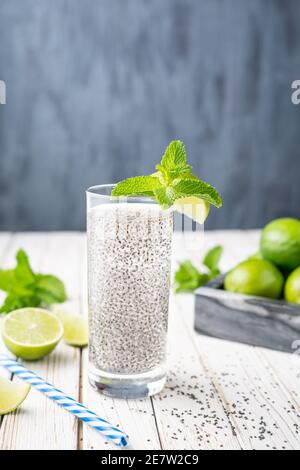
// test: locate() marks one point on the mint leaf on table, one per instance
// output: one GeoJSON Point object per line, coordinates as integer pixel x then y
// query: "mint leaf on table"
{"type": "Point", "coordinates": [50, 289]}
{"type": "Point", "coordinates": [19, 277]}
{"type": "Point", "coordinates": [172, 181]}
{"type": "Point", "coordinates": [13, 302]}
{"type": "Point", "coordinates": [212, 258]}
{"type": "Point", "coordinates": [25, 288]}
{"type": "Point", "coordinates": [23, 272]}
{"type": "Point", "coordinates": [188, 278]}
{"type": "Point", "coordinates": [6, 279]}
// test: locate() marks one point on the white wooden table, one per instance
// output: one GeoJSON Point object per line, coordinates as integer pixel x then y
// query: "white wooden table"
{"type": "Point", "coordinates": [219, 395]}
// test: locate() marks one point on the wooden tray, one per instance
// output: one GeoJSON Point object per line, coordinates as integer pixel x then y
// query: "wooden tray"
{"type": "Point", "coordinates": [257, 321]}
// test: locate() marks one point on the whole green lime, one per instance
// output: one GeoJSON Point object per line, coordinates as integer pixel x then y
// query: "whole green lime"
{"type": "Point", "coordinates": [280, 243]}
{"type": "Point", "coordinates": [292, 287]}
{"type": "Point", "coordinates": [255, 277]}
{"type": "Point", "coordinates": [256, 255]}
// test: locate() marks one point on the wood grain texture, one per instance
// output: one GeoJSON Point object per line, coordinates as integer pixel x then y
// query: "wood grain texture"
{"type": "Point", "coordinates": [258, 387]}
{"type": "Point", "coordinates": [189, 413]}
{"type": "Point", "coordinates": [261, 413]}
{"type": "Point", "coordinates": [40, 423]}
{"type": "Point", "coordinates": [5, 241]}
{"type": "Point", "coordinates": [135, 417]}
{"type": "Point", "coordinates": [96, 90]}
{"type": "Point", "coordinates": [219, 394]}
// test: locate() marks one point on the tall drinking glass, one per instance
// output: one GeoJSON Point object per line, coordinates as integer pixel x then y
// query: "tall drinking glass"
{"type": "Point", "coordinates": [129, 261]}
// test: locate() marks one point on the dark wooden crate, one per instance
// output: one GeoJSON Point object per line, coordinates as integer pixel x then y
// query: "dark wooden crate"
{"type": "Point", "coordinates": [257, 321]}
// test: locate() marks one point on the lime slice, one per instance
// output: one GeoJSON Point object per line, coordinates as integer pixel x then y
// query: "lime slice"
{"type": "Point", "coordinates": [75, 328]}
{"type": "Point", "coordinates": [31, 333]}
{"type": "Point", "coordinates": [193, 207]}
{"type": "Point", "coordinates": [12, 395]}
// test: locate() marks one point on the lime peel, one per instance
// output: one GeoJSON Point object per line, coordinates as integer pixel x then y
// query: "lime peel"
{"type": "Point", "coordinates": [12, 395]}
{"type": "Point", "coordinates": [193, 207]}
{"type": "Point", "coordinates": [31, 333]}
{"type": "Point", "coordinates": [292, 287]}
{"type": "Point", "coordinates": [75, 328]}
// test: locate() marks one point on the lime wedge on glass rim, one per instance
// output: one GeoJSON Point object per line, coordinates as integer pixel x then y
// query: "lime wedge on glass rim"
{"type": "Point", "coordinates": [75, 327]}
{"type": "Point", "coordinates": [193, 207]}
{"type": "Point", "coordinates": [12, 395]}
{"type": "Point", "coordinates": [31, 333]}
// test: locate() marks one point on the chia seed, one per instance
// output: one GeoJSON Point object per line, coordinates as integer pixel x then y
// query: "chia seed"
{"type": "Point", "coordinates": [129, 258]}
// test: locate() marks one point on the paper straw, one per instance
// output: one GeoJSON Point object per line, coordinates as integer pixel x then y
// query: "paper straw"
{"type": "Point", "coordinates": [71, 405]}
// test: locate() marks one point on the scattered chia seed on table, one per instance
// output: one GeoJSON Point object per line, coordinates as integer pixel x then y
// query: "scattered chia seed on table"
{"type": "Point", "coordinates": [129, 258]}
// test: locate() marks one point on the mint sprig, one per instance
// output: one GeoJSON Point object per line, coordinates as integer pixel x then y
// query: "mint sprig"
{"type": "Point", "coordinates": [188, 278]}
{"type": "Point", "coordinates": [173, 180]}
{"type": "Point", "coordinates": [25, 288]}
{"type": "Point", "coordinates": [212, 259]}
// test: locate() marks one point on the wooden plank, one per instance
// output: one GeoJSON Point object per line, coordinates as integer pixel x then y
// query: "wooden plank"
{"type": "Point", "coordinates": [219, 394]}
{"type": "Point", "coordinates": [135, 417]}
{"type": "Point", "coordinates": [187, 401]}
{"type": "Point", "coordinates": [255, 405]}
{"type": "Point", "coordinates": [285, 374]}
{"type": "Point", "coordinates": [189, 412]}
{"type": "Point", "coordinates": [5, 240]}
{"type": "Point", "coordinates": [40, 423]}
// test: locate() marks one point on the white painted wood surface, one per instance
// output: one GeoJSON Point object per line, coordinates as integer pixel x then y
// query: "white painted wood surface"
{"type": "Point", "coordinates": [219, 395]}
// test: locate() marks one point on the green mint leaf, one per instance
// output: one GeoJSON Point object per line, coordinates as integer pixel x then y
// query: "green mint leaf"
{"type": "Point", "coordinates": [14, 301]}
{"type": "Point", "coordinates": [137, 186]}
{"type": "Point", "coordinates": [7, 279]}
{"type": "Point", "coordinates": [212, 259]}
{"type": "Point", "coordinates": [173, 162]}
{"type": "Point", "coordinates": [22, 275]}
{"type": "Point", "coordinates": [173, 180]}
{"type": "Point", "coordinates": [213, 274]}
{"type": "Point", "coordinates": [165, 196]}
{"type": "Point", "coordinates": [170, 175]}
{"type": "Point", "coordinates": [174, 156]}
{"type": "Point", "coordinates": [185, 176]}
{"type": "Point", "coordinates": [197, 188]}
{"type": "Point", "coordinates": [26, 289]}
{"type": "Point", "coordinates": [23, 272]}
{"type": "Point", "coordinates": [188, 278]}
{"type": "Point", "coordinates": [49, 289]}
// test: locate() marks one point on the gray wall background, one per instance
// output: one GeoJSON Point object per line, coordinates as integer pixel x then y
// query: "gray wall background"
{"type": "Point", "coordinates": [97, 88]}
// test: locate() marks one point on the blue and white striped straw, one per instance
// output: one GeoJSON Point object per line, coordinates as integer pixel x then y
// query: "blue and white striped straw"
{"type": "Point", "coordinates": [71, 405]}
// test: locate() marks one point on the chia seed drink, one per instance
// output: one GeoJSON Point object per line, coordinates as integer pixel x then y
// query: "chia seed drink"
{"type": "Point", "coordinates": [129, 258]}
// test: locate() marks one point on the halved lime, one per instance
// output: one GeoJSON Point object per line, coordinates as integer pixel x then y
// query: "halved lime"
{"type": "Point", "coordinates": [12, 395]}
{"type": "Point", "coordinates": [75, 328]}
{"type": "Point", "coordinates": [31, 333]}
{"type": "Point", "coordinates": [193, 207]}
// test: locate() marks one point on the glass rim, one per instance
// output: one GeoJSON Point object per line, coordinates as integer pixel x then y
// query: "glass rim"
{"type": "Point", "coordinates": [95, 191]}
